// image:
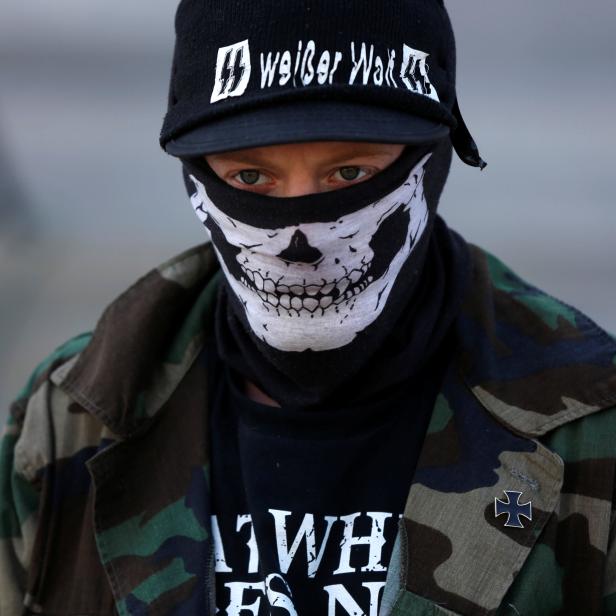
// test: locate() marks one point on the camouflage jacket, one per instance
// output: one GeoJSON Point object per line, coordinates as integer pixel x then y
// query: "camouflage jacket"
{"type": "Point", "coordinates": [104, 502]}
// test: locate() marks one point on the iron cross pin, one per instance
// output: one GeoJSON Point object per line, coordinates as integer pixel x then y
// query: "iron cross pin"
{"type": "Point", "coordinates": [513, 508]}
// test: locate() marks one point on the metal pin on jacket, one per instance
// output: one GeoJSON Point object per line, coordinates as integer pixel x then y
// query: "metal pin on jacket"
{"type": "Point", "coordinates": [513, 508]}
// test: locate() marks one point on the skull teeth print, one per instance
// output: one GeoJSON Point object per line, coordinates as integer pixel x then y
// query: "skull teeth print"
{"type": "Point", "coordinates": [309, 297]}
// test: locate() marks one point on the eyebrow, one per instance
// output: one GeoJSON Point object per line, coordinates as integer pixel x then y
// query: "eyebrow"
{"type": "Point", "coordinates": [243, 159]}
{"type": "Point", "coordinates": [256, 159]}
{"type": "Point", "coordinates": [348, 156]}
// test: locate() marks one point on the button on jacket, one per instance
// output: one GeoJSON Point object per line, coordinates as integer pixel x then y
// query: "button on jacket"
{"type": "Point", "coordinates": [104, 465]}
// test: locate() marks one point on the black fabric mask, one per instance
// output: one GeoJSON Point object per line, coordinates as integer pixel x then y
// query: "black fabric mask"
{"type": "Point", "coordinates": [315, 285]}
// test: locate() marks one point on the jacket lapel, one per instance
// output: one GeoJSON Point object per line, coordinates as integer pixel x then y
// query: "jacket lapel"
{"type": "Point", "coordinates": [453, 549]}
{"type": "Point", "coordinates": [152, 512]}
{"type": "Point", "coordinates": [143, 376]}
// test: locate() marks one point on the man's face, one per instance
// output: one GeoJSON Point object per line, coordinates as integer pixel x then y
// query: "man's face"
{"type": "Point", "coordinates": [299, 169]}
{"type": "Point", "coordinates": [315, 276]}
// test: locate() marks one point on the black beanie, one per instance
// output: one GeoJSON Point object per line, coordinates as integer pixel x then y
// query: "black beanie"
{"type": "Point", "coordinates": [248, 74]}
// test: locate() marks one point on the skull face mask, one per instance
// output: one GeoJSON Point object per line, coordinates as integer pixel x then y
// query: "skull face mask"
{"type": "Point", "coordinates": [319, 274]}
{"type": "Point", "coordinates": [316, 285]}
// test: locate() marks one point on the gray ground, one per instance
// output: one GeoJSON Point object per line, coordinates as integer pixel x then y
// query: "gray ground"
{"type": "Point", "coordinates": [88, 202]}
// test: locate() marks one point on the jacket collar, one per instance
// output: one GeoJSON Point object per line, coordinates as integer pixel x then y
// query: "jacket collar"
{"type": "Point", "coordinates": [533, 362]}
{"type": "Point", "coordinates": [145, 343]}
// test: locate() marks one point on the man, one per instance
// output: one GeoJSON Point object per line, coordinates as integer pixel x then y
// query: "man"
{"type": "Point", "coordinates": [337, 407]}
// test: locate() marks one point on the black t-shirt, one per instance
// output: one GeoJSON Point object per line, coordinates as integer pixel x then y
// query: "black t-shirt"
{"type": "Point", "coordinates": [306, 503]}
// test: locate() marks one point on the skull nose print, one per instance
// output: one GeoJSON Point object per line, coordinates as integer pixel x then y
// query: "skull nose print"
{"type": "Point", "coordinates": [300, 251]}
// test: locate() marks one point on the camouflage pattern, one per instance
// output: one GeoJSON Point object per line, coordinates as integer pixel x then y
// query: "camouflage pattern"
{"type": "Point", "coordinates": [104, 497]}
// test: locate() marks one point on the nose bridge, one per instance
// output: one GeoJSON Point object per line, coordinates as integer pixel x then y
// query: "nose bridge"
{"type": "Point", "coordinates": [300, 184]}
{"type": "Point", "coordinates": [299, 188]}
{"type": "Point", "coordinates": [299, 250]}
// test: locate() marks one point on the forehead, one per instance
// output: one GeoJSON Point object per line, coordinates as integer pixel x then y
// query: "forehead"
{"type": "Point", "coordinates": [325, 152]}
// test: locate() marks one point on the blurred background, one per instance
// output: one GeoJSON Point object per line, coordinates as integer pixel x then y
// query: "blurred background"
{"type": "Point", "coordinates": [88, 201]}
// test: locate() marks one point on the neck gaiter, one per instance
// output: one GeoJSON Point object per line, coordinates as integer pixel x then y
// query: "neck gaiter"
{"type": "Point", "coordinates": [315, 284]}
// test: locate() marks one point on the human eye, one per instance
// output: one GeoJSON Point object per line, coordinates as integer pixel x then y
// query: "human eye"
{"type": "Point", "coordinates": [250, 177]}
{"type": "Point", "coordinates": [349, 174]}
